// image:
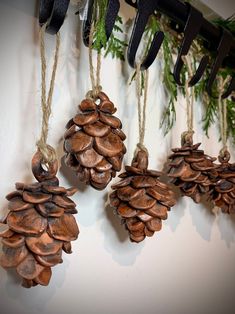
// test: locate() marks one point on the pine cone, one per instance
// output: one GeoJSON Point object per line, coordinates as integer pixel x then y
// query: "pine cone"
{"type": "Point", "coordinates": [141, 199]}
{"type": "Point", "coordinates": [222, 193]}
{"type": "Point", "coordinates": [94, 142]}
{"type": "Point", "coordinates": [39, 225]}
{"type": "Point", "coordinates": [192, 171]}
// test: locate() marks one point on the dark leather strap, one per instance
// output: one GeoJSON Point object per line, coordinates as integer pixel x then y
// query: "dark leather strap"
{"type": "Point", "coordinates": [53, 12]}
{"type": "Point", "coordinates": [191, 31]}
{"type": "Point", "coordinates": [113, 7]}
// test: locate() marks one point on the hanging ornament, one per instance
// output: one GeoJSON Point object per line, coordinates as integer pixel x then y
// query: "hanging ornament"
{"type": "Point", "coordinates": [94, 140]}
{"type": "Point", "coordinates": [40, 222]}
{"type": "Point", "coordinates": [140, 198]}
{"type": "Point", "coordinates": [190, 168]}
{"type": "Point", "coordinates": [222, 192]}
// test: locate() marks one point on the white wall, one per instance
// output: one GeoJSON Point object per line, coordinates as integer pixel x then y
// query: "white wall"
{"type": "Point", "coordinates": [225, 8]}
{"type": "Point", "coordinates": [188, 268]}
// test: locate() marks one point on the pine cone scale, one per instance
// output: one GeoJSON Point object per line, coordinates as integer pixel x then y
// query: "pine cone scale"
{"type": "Point", "coordinates": [78, 142]}
{"type": "Point", "coordinates": [103, 166]}
{"type": "Point", "coordinates": [84, 119]}
{"type": "Point", "coordinates": [145, 202]}
{"type": "Point", "coordinates": [63, 228]}
{"type": "Point", "coordinates": [126, 211]}
{"type": "Point", "coordinates": [97, 129]}
{"type": "Point", "coordinates": [50, 260]}
{"type": "Point", "coordinates": [158, 211]}
{"type": "Point", "coordinates": [49, 209]}
{"type": "Point", "coordinates": [110, 120]}
{"type": "Point", "coordinates": [27, 222]}
{"type": "Point", "coordinates": [143, 182]}
{"type": "Point", "coordinates": [17, 204]}
{"type": "Point", "coordinates": [89, 158]}
{"type": "Point", "coordinates": [29, 268]}
{"type": "Point", "coordinates": [11, 257]}
{"type": "Point", "coordinates": [15, 241]}
{"type": "Point", "coordinates": [43, 245]}
{"type": "Point", "coordinates": [127, 193]}
{"type": "Point", "coordinates": [44, 277]}
{"type": "Point", "coordinates": [109, 145]}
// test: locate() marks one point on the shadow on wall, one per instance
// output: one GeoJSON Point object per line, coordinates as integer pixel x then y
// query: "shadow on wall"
{"type": "Point", "coordinates": [26, 297]}
{"type": "Point", "coordinates": [116, 239]}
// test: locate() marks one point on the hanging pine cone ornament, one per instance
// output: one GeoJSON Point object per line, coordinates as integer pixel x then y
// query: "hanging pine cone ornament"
{"type": "Point", "coordinates": [141, 199]}
{"type": "Point", "coordinates": [222, 193]}
{"type": "Point", "coordinates": [94, 142]}
{"type": "Point", "coordinates": [191, 170]}
{"type": "Point", "coordinates": [39, 226]}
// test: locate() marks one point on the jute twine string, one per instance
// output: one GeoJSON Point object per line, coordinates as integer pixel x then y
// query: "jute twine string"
{"type": "Point", "coordinates": [223, 114]}
{"type": "Point", "coordinates": [48, 153]}
{"type": "Point", "coordinates": [187, 137]}
{"type": "Point", "coordinates": [141, 107]}
{"type": "Point", "coordinates": [94, 73]}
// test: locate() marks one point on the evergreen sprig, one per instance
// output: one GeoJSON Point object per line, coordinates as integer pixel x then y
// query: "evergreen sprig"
{"type": "Point", "coordinates": [99, 14]}
{"type": "Point", "coordinates": [114, 46]}
{"type": "Point", "coordinates": [211, 103]}
{"type": "Point", "coordinates": [169, 114]}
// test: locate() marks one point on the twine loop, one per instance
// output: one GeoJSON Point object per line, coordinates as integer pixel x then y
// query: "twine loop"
{"type": "Point", "coordinates": [93, 94]}
{"type": "Point", "coordinates": [94, 72]}
{"type": "Point", "coordinates": [187, 138]}
{"type": "Point", "coordinates": [224, 155]}
{"type": "Point", "coordinates": [223, 115]}
{"type": "Point", "coordinates": [47, 152]}
{"type": "Point", "coordinates": [190, 98]}
{"type": "Point", "coordinates": [142, 107]}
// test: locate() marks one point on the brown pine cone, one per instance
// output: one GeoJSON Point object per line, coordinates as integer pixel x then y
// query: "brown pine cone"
{"type": "Point", "coordinates": [192, 171]}
{"type": "Point", "coordinates": [94, 142]}
{"type": "Point", "coordinates": [222, 193]}
{"type": "Point", "coordinates": [39, 225]}
{"type": "Point", "coordinates": [141, 199]}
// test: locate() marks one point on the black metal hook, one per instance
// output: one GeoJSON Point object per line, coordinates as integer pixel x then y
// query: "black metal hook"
{"type": "Point", "coordinates": [145, 8]}
{"type": "Point", "coordinates": [53, 12]}
{"type": "Point", "coordinates": [222, 52]}
{"type": "Point", "coordinates": [191, 30]}
{"type": "Point", "coordinates": [111, 15]}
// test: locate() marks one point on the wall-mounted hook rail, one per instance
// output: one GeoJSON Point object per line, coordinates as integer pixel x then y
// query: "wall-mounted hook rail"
{"type": "Point", "coordinates": [178, 12]}
{"type": "Point", "coordinates": [220, 41]}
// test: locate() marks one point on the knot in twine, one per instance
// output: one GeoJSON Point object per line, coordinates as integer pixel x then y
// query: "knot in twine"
{"type": "Point", "coordinates": [94, 73]}
{"type": "Point", "coordinates": [94, 93]}
{"type": "Point", "coordinates": [47, 152]}
{"type": "Point", "coordinates": [187, 137]}
{"type": "Point", "coordinates": [223, 116]}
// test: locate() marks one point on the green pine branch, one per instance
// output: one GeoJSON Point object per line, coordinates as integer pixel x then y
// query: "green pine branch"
{"type": "Point", "coordinates": [115, 46]}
